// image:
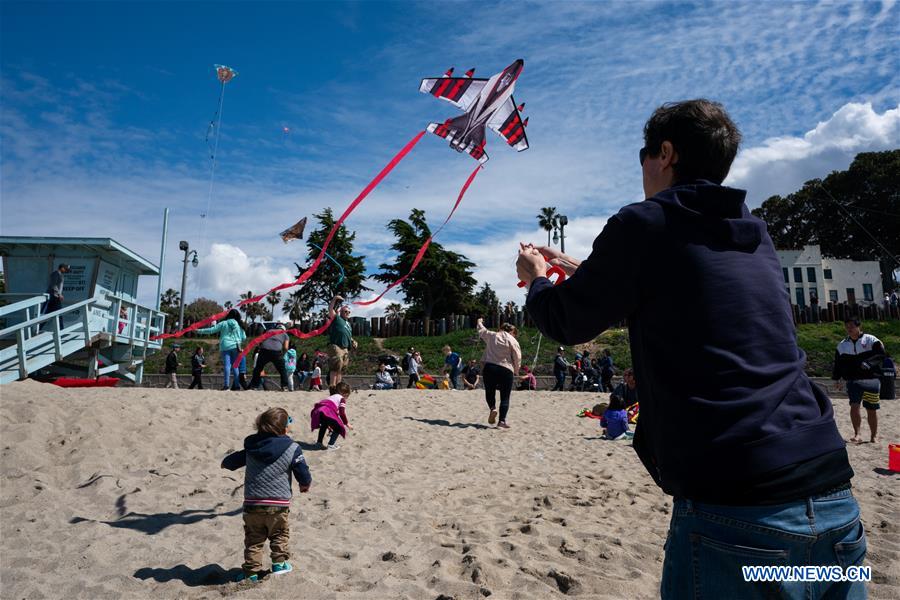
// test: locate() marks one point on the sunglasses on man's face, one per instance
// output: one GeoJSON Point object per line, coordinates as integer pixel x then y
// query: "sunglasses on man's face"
{"type": "Point", "coordinates": [643, 154]}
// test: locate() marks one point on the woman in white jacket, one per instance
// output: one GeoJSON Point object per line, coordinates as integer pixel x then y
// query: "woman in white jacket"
{"type": "Point", "coordinates": [502, 358]}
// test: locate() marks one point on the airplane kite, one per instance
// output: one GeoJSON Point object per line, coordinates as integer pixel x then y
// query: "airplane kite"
{"type": "Point", "coordinates": [486, 102]}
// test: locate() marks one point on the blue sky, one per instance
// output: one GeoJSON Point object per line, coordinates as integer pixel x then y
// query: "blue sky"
{"type": "Point", "coordinates": [105, 109]}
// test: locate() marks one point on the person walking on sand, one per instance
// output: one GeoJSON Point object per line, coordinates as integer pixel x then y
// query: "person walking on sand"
{"type": "Point", "coordinates": [748, 448]}
{"type": "Point", "coordinates": [198, 363]}
{"type": "Point", "coordinates": [560, 368]}
{"type": "Point", "coordinates": [858, 360]}
{"type": "Point", "coordinates": [340, 338]}
{"type": "Point", "coordinates": [271, 459]}
{"type": "Point", "coordinates": [172, 367]}
{"type": "Point", "coordinates": [231, 338]}
{"type": "Point", "coordinates": [502, 358]}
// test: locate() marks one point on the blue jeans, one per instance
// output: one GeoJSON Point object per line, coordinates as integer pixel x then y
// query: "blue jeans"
{"type": "Point", "coordinates": [228, 357]}
{"type": "Point", "coordinates": [560, 382]}
{"type": "Point", "coordinates": [454, 378]}
{"type": "Point", "coordinates": [708, 544]}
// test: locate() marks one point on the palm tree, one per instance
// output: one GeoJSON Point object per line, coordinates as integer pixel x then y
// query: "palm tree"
{"type": "Point", "coordinates": [247, 309]}
{"type": "Point", "coordinates": [273, 298]}
{"type": "Point", "coordinates": [510, 308]}
{"type": "Point", "coordinates": [228, 305]}
{"type": "Point", "coordinates": [293, 307]}
{"type": "Point", "coordinates": [547, 220]}
{"type": "Point", "coordinates": [394, 312]}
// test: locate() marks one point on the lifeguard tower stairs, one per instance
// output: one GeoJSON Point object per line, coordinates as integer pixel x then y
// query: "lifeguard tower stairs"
{"type": "Point", "coordinates": [100, 330]}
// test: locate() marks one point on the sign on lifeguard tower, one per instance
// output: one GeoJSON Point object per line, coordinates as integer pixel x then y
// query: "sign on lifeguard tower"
{"type": "Point", "coordinates": [100, 316]}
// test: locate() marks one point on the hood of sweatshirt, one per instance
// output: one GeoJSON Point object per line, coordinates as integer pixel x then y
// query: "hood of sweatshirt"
{"type": "Point", "coordinates": [717, 210]}
{"type": "Point", "coordinates": [266, 447]}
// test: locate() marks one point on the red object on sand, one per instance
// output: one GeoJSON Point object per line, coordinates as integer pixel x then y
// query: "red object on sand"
{"type": "Point", "coordinates": [894, 457]}
{"type": "Point", "coordinates": [69, 382]}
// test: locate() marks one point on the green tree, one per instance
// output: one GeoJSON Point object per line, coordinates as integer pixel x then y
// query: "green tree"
{"type": "Point", "coordinates": [856, 215]}
{"type": "Point", "coordinates": [442, 283]}
{"type": "Point", "coordinates": [169, 302]}
{"type": "Point", "coordinates": [273, 298]}
{"type": "Point", "coordinates": [254, 310]}
{"type": "Point", "coordinates": [485, 301]}
{"type": "Point", "coordinates": [547, 220]}
{"type": "Point", "coordinates": [394, 312]}
{"type": "Point", "coordinates": [293, 307]}
{"type": "Point", "coordinates": [321, 287]}
{"type": "Point", "coordinates": [200, 309]}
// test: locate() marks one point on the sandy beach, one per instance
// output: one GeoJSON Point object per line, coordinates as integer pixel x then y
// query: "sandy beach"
{"type": "Point", "coordinates": [118, 493]}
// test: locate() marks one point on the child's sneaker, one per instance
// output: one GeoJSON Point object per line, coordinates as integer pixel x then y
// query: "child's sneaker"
{"type": "Point", "coordinates": [333, 447]}
{"type": "Point", "coordinates": [281, 568]}
{"type": "Point", "coordinates": [242, 576]}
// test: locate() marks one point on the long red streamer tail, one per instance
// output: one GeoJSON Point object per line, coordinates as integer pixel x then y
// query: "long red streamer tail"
{"type": "Point", "coordinates": [273, 332]}
{"type": "Point", "coordinates": [315, 265]}
{"type": "Point", "coordinates": [421, 253]}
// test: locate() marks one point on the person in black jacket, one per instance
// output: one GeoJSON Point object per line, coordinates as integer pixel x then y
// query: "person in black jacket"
{"type": "Point", "coordinates": [198, 363]}
{"type": "Point", "coordinates": [172, 367]}
{"type": "Point", "coordinates": [560, 368]}
{"type": "Point", "coordinates": [858, 360]}
{"type": "Point", "coordinates": [745, 443]}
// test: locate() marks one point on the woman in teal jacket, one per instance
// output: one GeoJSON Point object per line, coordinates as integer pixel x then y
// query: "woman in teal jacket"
{"type": "Point", "coordinates": [231, 339]}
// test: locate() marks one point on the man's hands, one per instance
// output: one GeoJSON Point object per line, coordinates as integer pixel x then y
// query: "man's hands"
{"type": "Point", "coordinates": [558, 259]}
{"type": "Point", "coordinates": [531, 264]}
{"type": "Point", "coordinates": [304, 489]}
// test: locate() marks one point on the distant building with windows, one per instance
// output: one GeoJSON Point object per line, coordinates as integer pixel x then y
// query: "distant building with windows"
{"type": "Point", "coordinates": [807, 272]}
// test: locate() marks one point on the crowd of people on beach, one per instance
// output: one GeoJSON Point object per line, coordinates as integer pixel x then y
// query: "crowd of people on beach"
{"type": "Point", "coordinates": [790, 502]}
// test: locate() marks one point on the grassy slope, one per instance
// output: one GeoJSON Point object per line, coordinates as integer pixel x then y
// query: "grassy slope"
{"type": "Point", "coordinates": [818, 341]}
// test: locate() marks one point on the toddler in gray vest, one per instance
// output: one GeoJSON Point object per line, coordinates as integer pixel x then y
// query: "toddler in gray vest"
{"type": "Point", "coordinates": [271, 458]}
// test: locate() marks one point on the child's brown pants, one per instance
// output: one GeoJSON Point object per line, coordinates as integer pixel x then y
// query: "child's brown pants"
{"type": "Point", "coordinates": [265, 523]}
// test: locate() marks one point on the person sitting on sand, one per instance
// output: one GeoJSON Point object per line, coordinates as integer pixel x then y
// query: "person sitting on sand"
{"type": "Point", "coordinates": [471, 375]}
{"type": "Point", "coordinates": [331, 413]}
{"type": "Point", "coordinates": [615, 420]}
{"type": "Point", "coordinates": [527, 382]}
{"type": "Point", "coordinates": [383, 379]}
{"type": "Point", "coordinates": [271, 458]}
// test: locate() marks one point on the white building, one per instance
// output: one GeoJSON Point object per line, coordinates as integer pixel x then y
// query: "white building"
{"type": "Point", "coordinates": [806, 272]}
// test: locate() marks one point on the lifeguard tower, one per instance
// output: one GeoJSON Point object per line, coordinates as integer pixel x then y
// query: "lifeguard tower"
{"type": "Point", "coordinates": [100, 329]}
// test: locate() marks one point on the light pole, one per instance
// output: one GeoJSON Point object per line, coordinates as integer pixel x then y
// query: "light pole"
{"type": "Point", "coordinates": [559, 231]}
{"type": "Point", "coordinates": [183, 246]}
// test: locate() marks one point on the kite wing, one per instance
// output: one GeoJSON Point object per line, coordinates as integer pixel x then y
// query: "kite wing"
{"type": "Point", "coordinates": [461, 92]}
{"type": "Point", "coordinates": [508, 124]}
{"type": "Point", "coordinates": [294, 232]}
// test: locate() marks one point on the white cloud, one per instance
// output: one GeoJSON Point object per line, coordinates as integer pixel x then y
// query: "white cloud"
{"type": "Point", "coordinates": [228, 272]}
{"type": "Point", "coordinates": [780, 165]}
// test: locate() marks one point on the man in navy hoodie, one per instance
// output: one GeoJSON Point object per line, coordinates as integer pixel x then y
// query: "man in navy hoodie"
{"type": "Point", "coordinates": [743, 441]}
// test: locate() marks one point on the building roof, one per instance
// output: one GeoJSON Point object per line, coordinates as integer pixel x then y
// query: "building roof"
{"type": "Point", "coordinates": [30, 246]}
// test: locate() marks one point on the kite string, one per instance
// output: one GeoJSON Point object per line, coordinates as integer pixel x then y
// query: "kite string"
{"type": "Point", "coordinates": [315, 265]}
{"type": "Point", "coordinates": [212, 172]}
{"type": "Point", "coordinates": [421, 253]}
